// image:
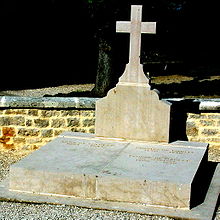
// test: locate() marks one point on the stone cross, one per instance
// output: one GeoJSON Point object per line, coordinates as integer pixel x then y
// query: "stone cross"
{"type": "Point", "coordinates": [135, 27]}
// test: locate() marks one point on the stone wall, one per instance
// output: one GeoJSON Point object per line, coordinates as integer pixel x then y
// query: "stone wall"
{"type": "Point", "coordinates": [205, 127]}
{"type": "Point", "coordinates": [28, 125]}
{"type": "Point", "coordinates": [29, 129]}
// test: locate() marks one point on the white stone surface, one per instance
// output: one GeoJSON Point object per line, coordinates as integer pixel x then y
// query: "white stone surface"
{"type": "Point", "coordinates": [134, 70]}
{"type": "Point", "coordinates": [133, 112]}
{"type": "Point", "coordinates": [85, 166]}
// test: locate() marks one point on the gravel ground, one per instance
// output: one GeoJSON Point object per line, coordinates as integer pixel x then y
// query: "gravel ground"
{"type": "Point", "coordinates": [64, 89]}
{"type": "Point", "coordinates": [42, 211]}
{"type": "Point", "coordinates": [28, 211]}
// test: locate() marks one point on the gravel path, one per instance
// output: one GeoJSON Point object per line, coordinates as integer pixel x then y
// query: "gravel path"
{"type": "Point", "coordinates": [52, 91]}
{"type": "Point", "coordinates": [28, 211]}
{"type": "Point", "coordinates": [42, 211]}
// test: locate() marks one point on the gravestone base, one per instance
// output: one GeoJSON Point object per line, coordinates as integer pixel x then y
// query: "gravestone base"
{"type": "Point", "coordinates": [80, 169]}
{"type": "Point", "coordinates": [133, 111]}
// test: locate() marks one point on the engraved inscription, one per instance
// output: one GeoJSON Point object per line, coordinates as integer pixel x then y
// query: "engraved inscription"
{"type": "Point", "coordinates": [166, 160]}
{"type": "Point", "coordinates": [71, 142]}
{"type": "Point", "coordinates": [170, 151]}
{"type": "Point", "coordinates": [76, 143]}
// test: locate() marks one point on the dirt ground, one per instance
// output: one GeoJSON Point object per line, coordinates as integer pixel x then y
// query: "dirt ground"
{"type": "Point", "coordinates": [170, 86]}
{"type": "Point", "coordinates": [49, 91]}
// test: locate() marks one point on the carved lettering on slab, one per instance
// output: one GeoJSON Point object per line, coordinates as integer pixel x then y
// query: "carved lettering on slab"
{"type": "Point", "coordinates": [71, 142]}
{"type": "Point", "coordinates": [166, 160]}
{"type": "Point", "coordinates": [170, 151]}
{"type": "Point", "coordinates": [76, 143]}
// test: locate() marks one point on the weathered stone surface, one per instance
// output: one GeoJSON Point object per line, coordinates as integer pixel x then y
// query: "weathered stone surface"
{"type": "Point", "coordinates": [70, 113]}
{"type": "Point", "coordinates": [33, 112]}
{"type": "Point", "coordinates": [28, 132]}
{"type": "Point", "coordinates": [134, 71]}
{"type": "Point", "coordinates": [89, 122]}
{"type": "Point", "coordinates": [191, 129]}
{"type": "Point", "coordinates": [133, 112]}
{"type": "Point", "coordinates": [210, 105]}
{"type": "Point", "coordinates": [29, 122]}
{"type": "Point", "coordinates": [48, 114]}
{"type": "Point", "coordinates": [47, 133]}
{"type": "Point", "coordinates": [47, 102]}
{"type": "Point", "coordinates": [204, 211]}
{"type": "Point", "coordinates": [5, 121]}
{"type": "Point", "coordinates": [207, 122]}
{"type": "Point", "coordinates": [152, 173]}
{"type": "Point", "coordinates": [17, 120]}
{"type": "Point", "coordinates": [82, 165]}
{"type": "Point", "coordinates": [15, 111]}
{"type": "Point", "coordinates": [57, 123]}
{"type": "Point", "coordinates": [42, 123]}
{"type": "Point", "coordinates": [210, 132]}
{"type": "Point", "coordinates": [66, 166]}
{"type": "Point", "coordinates": [195, 129]}
{"type": "Point", "coordinates": [9, 132]}
{"type": "Point", "coordinates": [78, 102]}
{"type": "Point", "coordinates": [72, 122]}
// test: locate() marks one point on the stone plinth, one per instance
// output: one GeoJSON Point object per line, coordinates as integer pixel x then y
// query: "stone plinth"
{"type": "Point", "coordinates": [84, 166]}
{"type": "Point", "coordinates": [133, 112]}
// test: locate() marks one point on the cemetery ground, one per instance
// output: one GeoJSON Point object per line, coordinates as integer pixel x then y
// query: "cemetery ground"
{"type": "Point", "coordinates": [170, 86]}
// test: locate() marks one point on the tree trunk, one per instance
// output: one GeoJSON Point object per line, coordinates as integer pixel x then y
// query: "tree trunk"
{"type": "Point", "coordinates": [104, 69]}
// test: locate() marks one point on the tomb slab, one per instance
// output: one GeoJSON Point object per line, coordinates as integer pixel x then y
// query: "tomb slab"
{"type": "Point", "coordinates": [86, 166]}
{"type": "Point", "coordinates": [65, 166]}
{"type": "Point", "coordinates": [156, 174]}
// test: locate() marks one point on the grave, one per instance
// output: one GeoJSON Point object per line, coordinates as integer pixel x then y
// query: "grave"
{"type": "Point", "coordinates": [128, 164]}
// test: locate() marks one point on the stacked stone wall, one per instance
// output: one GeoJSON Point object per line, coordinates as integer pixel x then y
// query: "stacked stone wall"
{"type": "Point", "coordinates": [29, 129]}
{"type": "Point", "coordinates": [205, 127]}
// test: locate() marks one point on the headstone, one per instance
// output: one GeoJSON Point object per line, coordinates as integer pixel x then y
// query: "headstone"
{"type": "Point", "coordinates": [132, 110]}
{"type": "Point", "coordinates": [125, 166]}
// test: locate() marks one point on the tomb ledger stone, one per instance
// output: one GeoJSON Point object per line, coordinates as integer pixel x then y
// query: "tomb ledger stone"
{"type": "Point", "coordinates": [109, 170]}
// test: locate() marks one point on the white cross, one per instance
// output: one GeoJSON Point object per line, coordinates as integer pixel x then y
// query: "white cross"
{"type": "Point", "coordinates": [135, 27]}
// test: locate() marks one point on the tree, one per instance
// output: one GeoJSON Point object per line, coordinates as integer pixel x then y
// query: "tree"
{"type": "Point", "coordinates": [102, 18]}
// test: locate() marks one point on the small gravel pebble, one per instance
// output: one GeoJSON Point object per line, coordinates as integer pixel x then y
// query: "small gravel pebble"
{"type": "Point", "coordinates": [29, 211]}
{"type": "Point", "coordinates": [41, 211]}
